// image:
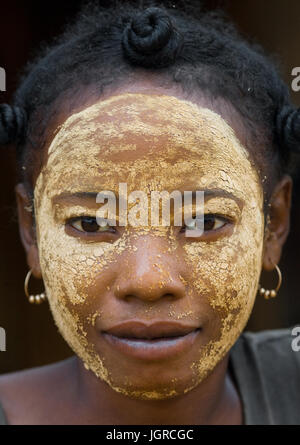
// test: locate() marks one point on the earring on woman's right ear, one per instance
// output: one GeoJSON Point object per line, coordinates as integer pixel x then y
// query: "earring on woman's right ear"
{"type": "Point", "coordinates": [34, 299]}
{"type": "Point", "coordinates": [271, 293]}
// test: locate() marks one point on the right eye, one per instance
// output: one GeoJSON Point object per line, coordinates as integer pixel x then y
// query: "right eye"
{"type": "Point", "coordinates": [88, 224]}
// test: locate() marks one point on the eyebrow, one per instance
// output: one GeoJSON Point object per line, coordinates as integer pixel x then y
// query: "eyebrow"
{"type": "Point", "coordinates": [214, 193]}
{"type": "Point", "coordinates": [78, 197]}
{"type": "Point", "coordinates": [73, 198]}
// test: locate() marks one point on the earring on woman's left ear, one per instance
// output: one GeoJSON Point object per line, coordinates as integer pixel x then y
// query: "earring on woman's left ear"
{"type": "Point", "coordinates": [271, 293]}
{"type": "Point", "coordinates": [34, 299]}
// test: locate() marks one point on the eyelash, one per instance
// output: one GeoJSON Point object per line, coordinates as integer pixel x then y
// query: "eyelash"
{"type": "Point", "coordinates": [111, 229]}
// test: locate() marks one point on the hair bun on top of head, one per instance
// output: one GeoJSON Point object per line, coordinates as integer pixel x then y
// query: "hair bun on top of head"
{"type": "Point", "coordinates": [288, 128]}
{"type": "Point", "coordinates": [12, 124]}
{"type": "Point", "coordinates": [151, 40]}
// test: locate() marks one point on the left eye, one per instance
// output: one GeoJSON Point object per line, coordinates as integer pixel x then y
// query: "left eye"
{"type": "Point", "coordinates": [89, 224]}
{"type": "Point", "coordinates": [211, 222]}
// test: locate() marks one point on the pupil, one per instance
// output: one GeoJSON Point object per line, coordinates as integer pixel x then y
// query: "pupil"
{"type": "Point", "coordinates": [209, 222]}
{"type": "Point", "coordinates": [89, 224]}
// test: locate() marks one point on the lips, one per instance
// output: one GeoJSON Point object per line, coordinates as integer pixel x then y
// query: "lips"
{"type": "Point", "coordinates": [149, 332]}
{"type": "Point", "coordinates": [151, 342]}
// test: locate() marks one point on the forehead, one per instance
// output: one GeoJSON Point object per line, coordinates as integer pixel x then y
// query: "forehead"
{"type": "Point", "coordinates": [141, 137]}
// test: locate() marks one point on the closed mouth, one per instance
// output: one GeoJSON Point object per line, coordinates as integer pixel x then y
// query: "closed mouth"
{"type": "Point", "coordinates": [153, 338]}
{"type": "Point", "coordinates": [152, 342]}
{"type": "Point", "coordinates": [142, 331]}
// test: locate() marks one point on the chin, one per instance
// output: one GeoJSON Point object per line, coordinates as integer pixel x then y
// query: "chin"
{"type": "Point", "coordinates": [162, 389]}
{"type": "Point", "coordinates": [151, 394]}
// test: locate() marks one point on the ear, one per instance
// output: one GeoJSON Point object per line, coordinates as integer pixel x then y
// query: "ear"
{"type": "Point", "coordinates": [27, 229]}
{"type": "Point", "coordinates": [278, 222]}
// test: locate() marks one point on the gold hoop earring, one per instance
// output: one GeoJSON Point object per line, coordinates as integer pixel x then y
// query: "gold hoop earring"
{"type": "Point", "coordinates": [272, 292]}
{"type": "Point", "coordinates": [34, 299]}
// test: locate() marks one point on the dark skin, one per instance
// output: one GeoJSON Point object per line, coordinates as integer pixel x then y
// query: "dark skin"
{"type": "Point", "coordinates": [65, 392]}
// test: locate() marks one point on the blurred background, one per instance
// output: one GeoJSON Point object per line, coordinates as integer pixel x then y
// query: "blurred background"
{"type": "Point", "coordinates": [32, 338]}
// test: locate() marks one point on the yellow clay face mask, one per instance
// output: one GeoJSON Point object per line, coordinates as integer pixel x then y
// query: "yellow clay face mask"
{"type": "Point", "coordinates": [150, 142]}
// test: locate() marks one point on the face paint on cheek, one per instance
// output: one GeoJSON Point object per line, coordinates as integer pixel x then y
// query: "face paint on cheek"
{"type": "Point", "coordinates": [166, 148]}
{"type": "Point", "coordinates": [69, 268]}
{"type": "Point", "coordinates": [226, 274]}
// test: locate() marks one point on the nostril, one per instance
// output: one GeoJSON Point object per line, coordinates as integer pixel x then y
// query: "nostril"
{"type": "Point", "coordinates": [144, 284]}
{"type": "Point", "coordinates": [169, 296]}
{"type": "Point", "coordinates": [145, 293]}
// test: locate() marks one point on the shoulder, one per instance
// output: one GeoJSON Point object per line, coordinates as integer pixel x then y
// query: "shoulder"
{"type": "Point", "coordinates": [277, 343]}
{"type": "Point", "coordinates": [25, 392]}
{"type": "Point", "coordinates": [275, 352]}
{"type": "Point", "coordinates": [267, 368]}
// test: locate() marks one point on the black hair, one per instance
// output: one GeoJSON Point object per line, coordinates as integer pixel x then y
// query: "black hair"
{"type": "Point", "coordinates": [176, 40]}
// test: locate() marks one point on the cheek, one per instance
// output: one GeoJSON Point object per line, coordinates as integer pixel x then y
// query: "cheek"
{"type": "Point", "coordinates": [73, 271]}
{"type": "Point", "coordinates": [70, 266]}
{"type": "Point", "coordinates": [70, 269]}
{"type": "Point", "coordinates": [226, 274]}
{"type": "Point", "coordinates": [226, 271]}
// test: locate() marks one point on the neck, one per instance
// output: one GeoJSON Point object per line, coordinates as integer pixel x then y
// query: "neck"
{"type": "Point", "coordinates": [213, 401]}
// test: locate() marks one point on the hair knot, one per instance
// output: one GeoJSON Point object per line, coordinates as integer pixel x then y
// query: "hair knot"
{"type": "Point", "coordinates": [12, 124]}
{"type": "Point", "coordinates": [151, 40]}
{"type": "Point", "coordinates": [288, 128]}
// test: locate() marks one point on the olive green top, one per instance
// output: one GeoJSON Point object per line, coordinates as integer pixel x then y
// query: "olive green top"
{"type": "Point", "coordinates": [2, 417]}
{"type": "Point", "coordinates": [267, 374]}
{"type": "Point", "coordinates": [266, 371]}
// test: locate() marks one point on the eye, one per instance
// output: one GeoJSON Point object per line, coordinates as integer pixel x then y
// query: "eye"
{"type": "Point", "coordinates": [211, 222]}
{"type": "Point", "coordinates": [89, 224]}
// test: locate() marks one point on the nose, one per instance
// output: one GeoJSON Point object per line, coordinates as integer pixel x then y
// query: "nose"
{"type": "Point", "coordinates": [150, 272]}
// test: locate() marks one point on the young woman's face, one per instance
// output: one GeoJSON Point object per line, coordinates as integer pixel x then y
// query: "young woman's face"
{"type": "Point", "coordinates": [113, 290]}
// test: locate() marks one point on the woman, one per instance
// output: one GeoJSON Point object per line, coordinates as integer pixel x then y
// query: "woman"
{"type": "Point", "coordinates": [133, 101]}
